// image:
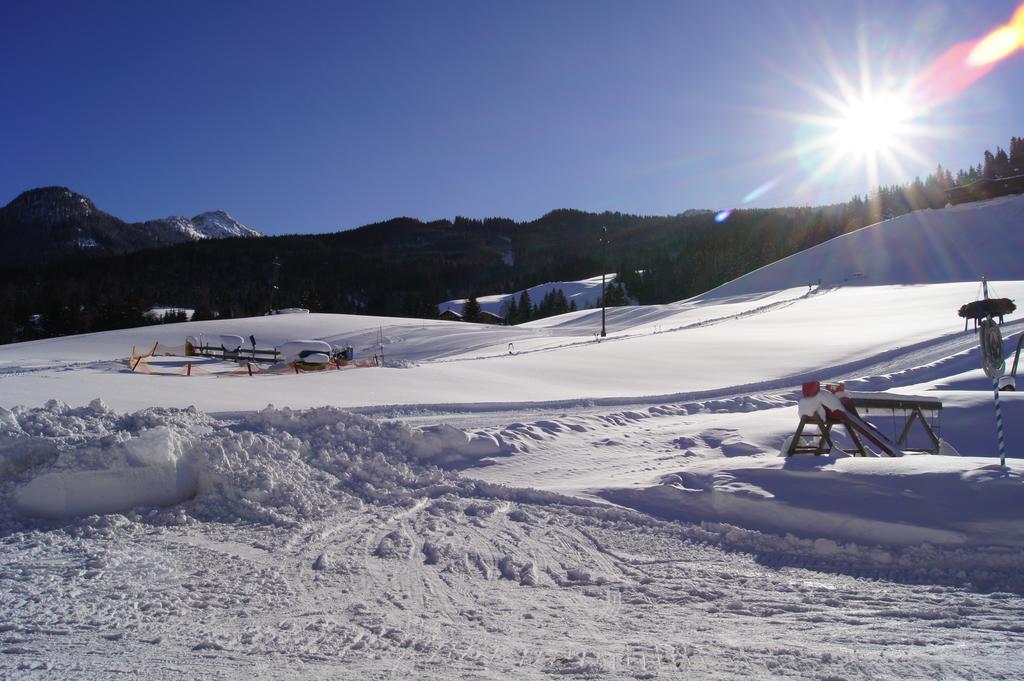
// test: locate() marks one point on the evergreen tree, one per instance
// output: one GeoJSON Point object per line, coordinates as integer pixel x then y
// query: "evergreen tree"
{"type": "Point", "coordinates": [173, 317]}
{"type": "Point", "coordinates": [510, 310]}
{"type": "Point", "coordinates": [413, 305]}
{"type": "Point", "coordinates": [525, 307]}
{"type": "Point", "coordinates": [553, 303]}
{"type": "Point", "coordinates": [471, 310]}
{"type": "Point", "coordinates": [561, 304]}
{"type": "Point", "coordinates": [1017, 155]}
{"type": "Point", "coordinates": [202, 313]}
{"type": "Point", "coordinates": [1001, 163]}
{"type": "Point", "coordinates": [614, 295]}
{"type": "Point", "coordinates": [988, 171]}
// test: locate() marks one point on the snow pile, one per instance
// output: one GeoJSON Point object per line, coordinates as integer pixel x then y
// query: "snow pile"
{"type": "Point", "coordinates": [58, 462]}
{"type": "Point", "coordinates": [277, 465]}
{"type": "Point", "coordinates": [450, 446]}
{"type": "Point", "coordinates": [153, 477]}
{"type": "Point", "coordinates": [892, 501]}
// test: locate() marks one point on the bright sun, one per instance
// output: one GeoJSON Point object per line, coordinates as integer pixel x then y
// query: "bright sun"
{"type": "Point", "coordinates": [876, 131]}
{"type": "Point", "coordinates": [875, 125]}
{"type": "Point", "coordinates": [874, 116]}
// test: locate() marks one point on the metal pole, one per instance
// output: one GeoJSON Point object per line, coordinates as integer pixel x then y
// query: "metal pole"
{"type": "Point", "coordinates": [999, 424]}
{"type": "Point", "coordinates": [995, 387]}
{"type": "Point", "coordinates": [274, 280]}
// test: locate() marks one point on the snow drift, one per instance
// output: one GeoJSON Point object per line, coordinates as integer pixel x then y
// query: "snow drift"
{"type": "Point", "coordinates": [900, 501]}
{"type": "Point", "coordinates": [275, 465]}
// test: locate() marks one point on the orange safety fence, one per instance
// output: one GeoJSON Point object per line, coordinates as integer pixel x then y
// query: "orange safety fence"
{"type": "Point", "coordinates": [164, 351]}
{"type": "Point", "coordinates": [141, 365]}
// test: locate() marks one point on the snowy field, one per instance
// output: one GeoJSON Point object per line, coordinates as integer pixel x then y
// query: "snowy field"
{"type": "Point", "coordinates": [528, 502]}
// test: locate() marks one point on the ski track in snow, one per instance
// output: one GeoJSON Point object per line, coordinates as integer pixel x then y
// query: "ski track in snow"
{"type": "Point", "coordinates": [359, 556]}
{"type": "Point", "coordinates": [460, 589]}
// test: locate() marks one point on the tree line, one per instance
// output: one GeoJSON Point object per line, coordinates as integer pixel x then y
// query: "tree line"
{"type": "Point", "coordinates": [404, 267]}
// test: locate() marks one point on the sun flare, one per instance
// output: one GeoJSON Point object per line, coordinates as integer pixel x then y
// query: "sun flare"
{"type": "Point", "coordinates": [873, 125]}
{"type": "Point", "coordinates": [877, 132]}
{"type": "Point", "coordinates": [867, 122]}
{"type": "Point", "coordinates": [879, 116]}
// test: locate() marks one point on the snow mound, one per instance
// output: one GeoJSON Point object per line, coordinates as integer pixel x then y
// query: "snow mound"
{"type": "Point", "coordinates": [450, 446]}
{"type": "Point", "coordinates": [80, 493]}
{"type": "Point", "coordinates": [891, 501]}
{"type": "Point", "coordinates": [57, 462]}
{"type": "Point", "coordinates": [278, 465]}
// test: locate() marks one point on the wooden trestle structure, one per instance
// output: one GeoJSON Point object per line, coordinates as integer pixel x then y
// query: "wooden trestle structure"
{"type": "Point", "coordinates": [814, 433]}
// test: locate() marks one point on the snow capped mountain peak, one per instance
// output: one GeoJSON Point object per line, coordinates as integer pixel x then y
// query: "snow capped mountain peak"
{"type": "Point", "coordinates": [216, 224]}
{"type": "Point", "coordinates": [185, 226]}
{"type": "Point", "coordinates": [219, 224]}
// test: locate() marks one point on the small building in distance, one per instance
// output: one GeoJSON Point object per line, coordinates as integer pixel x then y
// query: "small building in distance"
{"type": "Point", "coordinates": [450, 315]}
{"type": "Point", "coordinates": [485, 317]}
{"type": "Point", "coordinates": [491, 318]}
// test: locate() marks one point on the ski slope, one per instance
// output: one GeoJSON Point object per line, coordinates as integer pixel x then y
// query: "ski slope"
{"type": "Point", "coordinates": [531, 501]}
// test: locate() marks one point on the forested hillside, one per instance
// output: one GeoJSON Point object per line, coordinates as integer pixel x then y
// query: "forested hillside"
{"type": "Point", "coordinates": [404, 267]}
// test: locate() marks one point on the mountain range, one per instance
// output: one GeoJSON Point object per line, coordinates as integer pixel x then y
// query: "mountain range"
{"type": "Point", "coordinates": [54, 223]}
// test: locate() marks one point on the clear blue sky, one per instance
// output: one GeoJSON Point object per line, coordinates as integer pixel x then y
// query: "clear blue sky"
{"type": "Point", "coordinates": [319, 116]}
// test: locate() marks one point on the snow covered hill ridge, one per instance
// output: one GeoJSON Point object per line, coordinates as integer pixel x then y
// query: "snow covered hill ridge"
{"type": "Point", "coordinates": [216, 224]}
{"type": "Point", "coordinates": [930, 246]}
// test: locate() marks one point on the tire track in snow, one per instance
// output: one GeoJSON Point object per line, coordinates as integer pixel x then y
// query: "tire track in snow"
{"type": "Point", "coordinates": [674, 605]}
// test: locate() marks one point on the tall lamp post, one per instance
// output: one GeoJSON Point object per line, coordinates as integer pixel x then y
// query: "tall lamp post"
{"type": "Point", "coordinates": [604, 266]}
{"type": "Point", "coordinates": [273, 283]}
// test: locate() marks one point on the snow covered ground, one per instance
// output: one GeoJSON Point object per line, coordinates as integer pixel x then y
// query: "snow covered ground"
{"type": "Point", "coordinates": [528, 501]}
